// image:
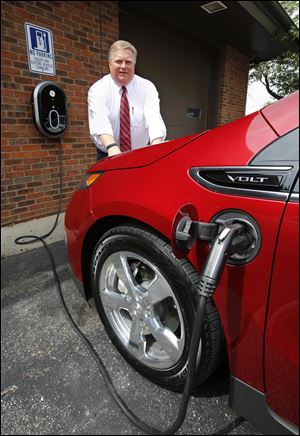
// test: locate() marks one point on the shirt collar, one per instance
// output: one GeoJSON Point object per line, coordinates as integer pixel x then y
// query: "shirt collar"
{"type": "Point", "coordinates": [129, 86]}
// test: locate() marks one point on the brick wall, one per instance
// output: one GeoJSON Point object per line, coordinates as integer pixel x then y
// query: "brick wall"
{"type": "Point", "coordinates": [82, 33]}
{"type": "Point", "coordinates": [233, 86]}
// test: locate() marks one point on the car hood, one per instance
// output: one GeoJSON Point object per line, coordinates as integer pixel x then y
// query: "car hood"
{"type": "Point", "coordinates": [143, 156]}
{"type": "Point", "coordinates": [232, 144]}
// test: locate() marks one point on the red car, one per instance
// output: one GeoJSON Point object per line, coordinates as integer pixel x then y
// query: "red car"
{"type": "Point", "coordinates": [139, 231]}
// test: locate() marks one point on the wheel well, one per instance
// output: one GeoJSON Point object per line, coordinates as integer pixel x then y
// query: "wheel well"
{"type": "Point", "coordinates": [92, 237]}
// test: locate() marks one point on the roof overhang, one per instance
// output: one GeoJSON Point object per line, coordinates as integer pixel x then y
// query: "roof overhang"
{"type": "Point", "coordinates": [249, 27]}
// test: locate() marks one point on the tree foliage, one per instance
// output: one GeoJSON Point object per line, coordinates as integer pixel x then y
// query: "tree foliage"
{"type": "Point", "coordinates": [281, 75]}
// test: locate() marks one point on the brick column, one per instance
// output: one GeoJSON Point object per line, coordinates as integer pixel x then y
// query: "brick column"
{"type": "Point", "coordinates": [233, 86]}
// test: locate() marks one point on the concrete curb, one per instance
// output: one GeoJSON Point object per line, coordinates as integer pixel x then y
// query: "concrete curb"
{"type": "Point", "coordinates": [38, 227]}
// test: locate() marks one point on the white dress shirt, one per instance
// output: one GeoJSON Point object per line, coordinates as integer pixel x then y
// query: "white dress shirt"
{"type": "Point", "coordinates": [146, 122]}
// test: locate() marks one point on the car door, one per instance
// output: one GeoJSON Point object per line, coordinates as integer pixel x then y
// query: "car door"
{"type": "Point", "coordinates": [281, 361]}
{"type": "Point", "coordinates": [281, 336]}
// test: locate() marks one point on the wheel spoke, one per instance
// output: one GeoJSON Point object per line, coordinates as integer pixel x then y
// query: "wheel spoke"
{"type": "Point", "coordinates": [165, 338]}
{"type": "Point", "coordinates": [157, 291]}
{"type": "Point", "coordinates": [124, 272]}
{"type": "Point", "coordinates": [135, 337]}
{"type": "Point", "coordinates": [114, 301]}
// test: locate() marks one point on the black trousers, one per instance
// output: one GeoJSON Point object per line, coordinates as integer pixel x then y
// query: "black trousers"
{"type": "Point", "coordinates": [100, 154]}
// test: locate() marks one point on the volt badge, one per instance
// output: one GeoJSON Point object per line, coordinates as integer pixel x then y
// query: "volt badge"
{"type": "Point", "coordinates": [251, 180]}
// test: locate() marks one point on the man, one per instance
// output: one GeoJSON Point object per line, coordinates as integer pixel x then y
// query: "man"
{"type": "Point", "coordinates": [123, 107]}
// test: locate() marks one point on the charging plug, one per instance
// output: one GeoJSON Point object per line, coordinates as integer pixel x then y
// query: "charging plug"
{"type": "Point", "coordinates": [224, 246]}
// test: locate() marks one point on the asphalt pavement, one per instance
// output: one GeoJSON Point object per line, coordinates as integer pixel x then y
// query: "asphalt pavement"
{"type": "Point", "coordinates": [50, 384]}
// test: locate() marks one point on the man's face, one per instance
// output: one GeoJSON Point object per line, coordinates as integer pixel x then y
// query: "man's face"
{"type": "Point", "coordinates": [122, 66]}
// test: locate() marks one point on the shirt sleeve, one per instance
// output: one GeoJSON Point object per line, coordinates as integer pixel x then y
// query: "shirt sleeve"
{"type": "Point", "coordinates": [99, 122]}
{"type": "Point", "coordinates": [154, 121]}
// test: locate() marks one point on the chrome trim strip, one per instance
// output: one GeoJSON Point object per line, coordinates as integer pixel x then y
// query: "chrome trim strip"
{"type": "Point", "coordinates": [247, 168]}
{"type": "Point", "coordinates": [294, 198]}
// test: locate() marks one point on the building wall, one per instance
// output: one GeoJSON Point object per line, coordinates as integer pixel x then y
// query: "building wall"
{"type": "Point", "coordinates": [82, 33]}
{"type": "Point", "coordinates": [233, 86]}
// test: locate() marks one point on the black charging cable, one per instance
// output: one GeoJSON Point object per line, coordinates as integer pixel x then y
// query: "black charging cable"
{"type": "Point", "coordinates": [30, 239]}
{"type": "Point", "coordinates": [204, 290]}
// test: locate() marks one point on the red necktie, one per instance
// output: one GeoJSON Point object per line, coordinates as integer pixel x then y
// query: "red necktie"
{"type": "Point", "coordinates": [125, 137]}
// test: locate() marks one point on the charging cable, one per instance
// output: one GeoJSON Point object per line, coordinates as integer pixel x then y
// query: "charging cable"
{"type": "Point", "coordinates": [30, 239]}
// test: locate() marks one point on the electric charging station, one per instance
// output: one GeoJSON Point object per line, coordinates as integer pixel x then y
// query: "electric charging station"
{"type": "Point", "coordinates": [50, 109]}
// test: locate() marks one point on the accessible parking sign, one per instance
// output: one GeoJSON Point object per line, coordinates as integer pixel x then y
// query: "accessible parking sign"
{"type": "Point", "coordinates": [40, 49]}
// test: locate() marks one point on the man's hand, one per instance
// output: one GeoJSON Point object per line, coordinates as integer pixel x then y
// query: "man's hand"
{"type": "Point", "coordinates": [106, 140]}
{"type": "Point", "coordinates": [156, 141]}
{"type": "Point", "coordinates": [113, 151]}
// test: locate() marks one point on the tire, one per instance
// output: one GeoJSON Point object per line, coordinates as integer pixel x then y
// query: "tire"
{"type": "Point", "coordinates": [146, 301]}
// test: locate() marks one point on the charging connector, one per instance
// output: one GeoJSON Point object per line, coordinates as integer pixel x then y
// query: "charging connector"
{"type": "Point", "coordinates": [222, 248]}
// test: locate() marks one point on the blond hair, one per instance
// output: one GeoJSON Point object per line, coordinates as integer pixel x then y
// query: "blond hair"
{"type": "Point", "coordinates": [121, 45]}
